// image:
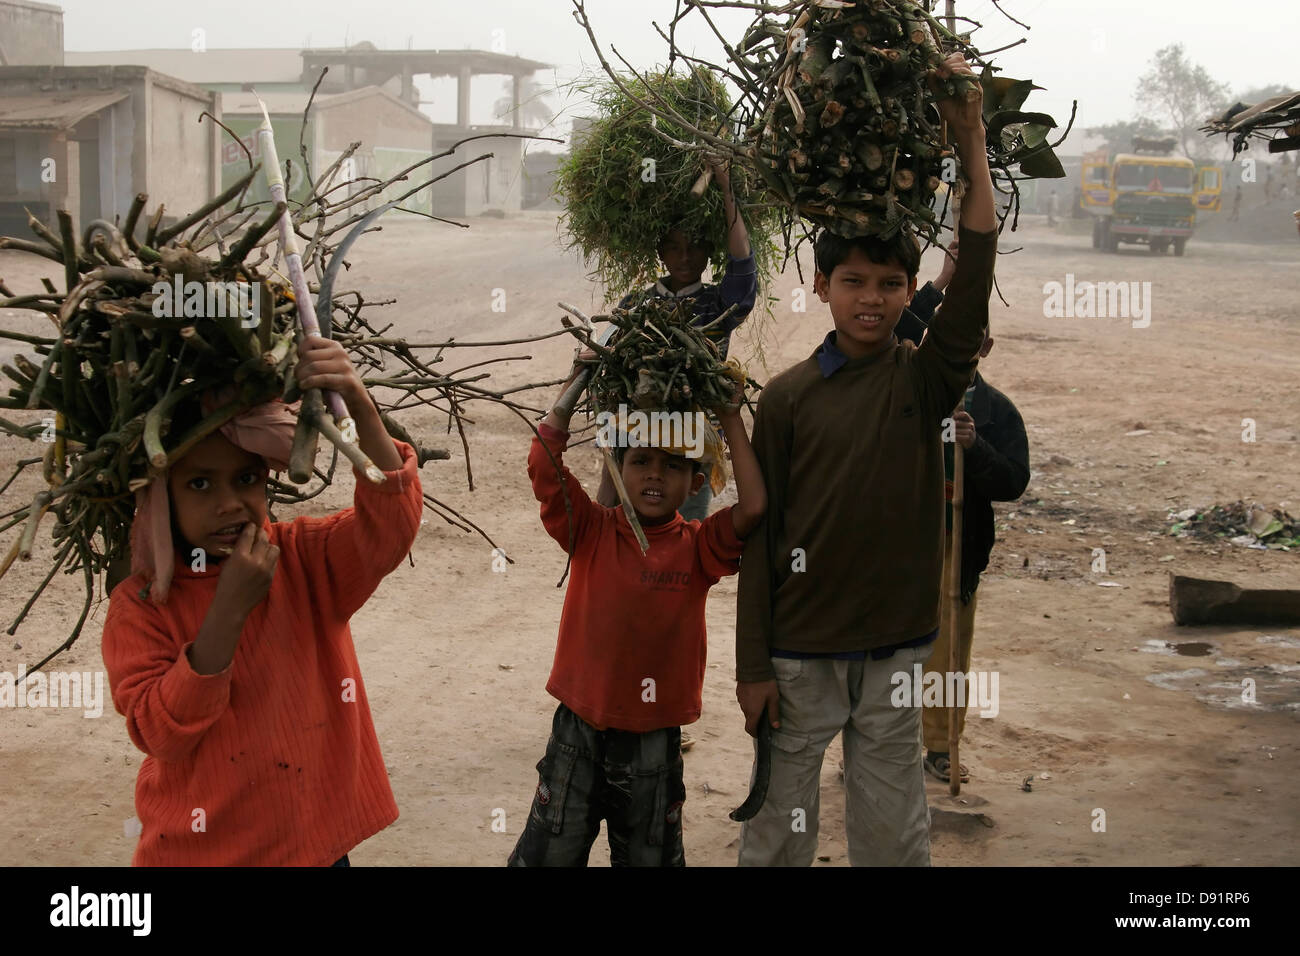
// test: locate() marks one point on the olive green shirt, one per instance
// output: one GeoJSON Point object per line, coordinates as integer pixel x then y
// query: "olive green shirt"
{"type": "Point", "coordinates": [850, 552]}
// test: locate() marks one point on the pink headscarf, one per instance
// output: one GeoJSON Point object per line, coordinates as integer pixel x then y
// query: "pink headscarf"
{"type": "Point", "coordinates": [265, 430]}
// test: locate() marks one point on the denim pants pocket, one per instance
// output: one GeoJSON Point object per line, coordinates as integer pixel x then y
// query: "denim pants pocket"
{"type": "Point", "coordinates": [554, 777]}
{"type": "Point", "coordinates": [666, 809]}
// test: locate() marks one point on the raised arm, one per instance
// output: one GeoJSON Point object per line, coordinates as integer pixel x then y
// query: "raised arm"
{"type": "Point", "coordinates": [965, 119]}
{"type": "Point", "coordinates": [739, 285]}
{"type": "Point", "coordinates": [737, 234]}
{"type": "Point", "coordinates": [946, 359]}
{"type": "Point", "coordinates": [751, 494]}
{"type": "Point", "coordinates": [356, 548]}
{"type": "Point", "coordinates": [567, 510]}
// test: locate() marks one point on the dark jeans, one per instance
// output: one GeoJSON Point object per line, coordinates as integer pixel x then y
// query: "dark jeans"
{"type": "Point", "coordinates": [631, 781]}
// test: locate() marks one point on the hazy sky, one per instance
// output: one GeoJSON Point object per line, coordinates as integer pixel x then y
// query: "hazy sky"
{"type": "Point", "coordinates": [1092, 50]}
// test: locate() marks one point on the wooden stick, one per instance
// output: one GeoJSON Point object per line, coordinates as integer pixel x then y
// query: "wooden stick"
{"type": "Point", "coordinates": [293, 265]}
{"type": "Point", "coordinates": [628, 510]}
{"type": "Point", "coordinates": [953, 629]}
{"type": "Point", "coordinates": [302, 454]}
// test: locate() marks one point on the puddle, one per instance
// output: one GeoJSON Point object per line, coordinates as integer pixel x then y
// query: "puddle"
{"type": "Point", "coordinates": [1272, 687]}
{"type": "Point", "coordinates": [1282, 639]}
{"type": "Point", "coordinates": [1230, 683]}
{"type": "Point", "coordinates": [1185, 649]}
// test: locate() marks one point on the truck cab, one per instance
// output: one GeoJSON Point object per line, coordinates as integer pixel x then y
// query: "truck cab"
{"type": "Point", "coordinates": [1147, 197]}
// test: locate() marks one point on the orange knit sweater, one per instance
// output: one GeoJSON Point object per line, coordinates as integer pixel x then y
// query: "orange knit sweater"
{"type": "Point", "coordinates": [273, 761]}
{"type": "Point", "coordinates": [632, 644]}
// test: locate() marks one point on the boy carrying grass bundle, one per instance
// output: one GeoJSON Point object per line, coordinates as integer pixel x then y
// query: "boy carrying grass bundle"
{"type": "Point", "coordinates": [840, 584]}
{"type": "Point", "coordinates": [685, 256]}
{"type": "Point", "coordinates": [629, 661]}
{"type": "Point", "coordinates": [229, 652]}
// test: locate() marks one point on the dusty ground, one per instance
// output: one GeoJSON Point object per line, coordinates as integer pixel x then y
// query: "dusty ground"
{"type": "Point", "coordinates": [1093, 702]}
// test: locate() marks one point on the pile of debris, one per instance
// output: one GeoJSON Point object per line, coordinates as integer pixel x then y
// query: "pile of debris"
{"type": "Point", "coordinates": [1252, 526]}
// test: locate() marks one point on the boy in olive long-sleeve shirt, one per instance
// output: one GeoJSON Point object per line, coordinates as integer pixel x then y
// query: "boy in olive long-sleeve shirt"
{"type": "Point", "coordinates": [840, 585]}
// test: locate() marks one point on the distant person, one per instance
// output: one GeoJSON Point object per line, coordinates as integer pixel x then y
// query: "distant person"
{"type": "Point", "coordinates": [685, 258]}
{"type": "Point", "coordinates": [992, 434]}
{"type": "Point", "coordinates": [1053, 207]}
{"type": "Point", "coordinates": [1236, 204]}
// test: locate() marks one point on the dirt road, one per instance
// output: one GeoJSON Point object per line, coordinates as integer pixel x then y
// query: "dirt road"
{"type": "Point", "coordinates": [1127, 423]}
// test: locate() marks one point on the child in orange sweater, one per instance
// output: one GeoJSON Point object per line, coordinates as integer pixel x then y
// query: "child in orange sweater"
{"type": "Point", "coordinates": [234, 664]}
{"type": "Point", "coordinates": [629, 662]}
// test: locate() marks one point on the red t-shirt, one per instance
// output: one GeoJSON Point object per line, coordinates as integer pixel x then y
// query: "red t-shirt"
{"type": "Point", "coordinates": [631, 648]}
{"type": "Point", "coordinates": [273, 761]}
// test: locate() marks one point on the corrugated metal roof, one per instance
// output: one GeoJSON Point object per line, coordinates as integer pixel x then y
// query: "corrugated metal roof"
{"type": "Point", "coordinates": [55, 110]}
{"type": "Point", "coordinates": [272, 65]}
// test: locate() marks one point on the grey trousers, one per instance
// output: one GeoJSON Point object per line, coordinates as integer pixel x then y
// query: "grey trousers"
{"type": "Point", "coordinates": [887, 820]}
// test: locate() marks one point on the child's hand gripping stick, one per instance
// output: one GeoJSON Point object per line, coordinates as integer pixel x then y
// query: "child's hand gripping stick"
{"type": "Point", "coordinates": [345, 435]}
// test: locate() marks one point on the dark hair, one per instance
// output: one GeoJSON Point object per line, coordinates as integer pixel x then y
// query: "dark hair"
{"type": "Point", "coordinates": [620, 452]}
{"type": "Point", "coordinates": [698, 239]}
{"type": "Point", "coordinates": [903, 250]}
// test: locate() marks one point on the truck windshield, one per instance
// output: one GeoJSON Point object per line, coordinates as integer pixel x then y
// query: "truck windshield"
{"type": "Point", "coordinates": [1149, 176]}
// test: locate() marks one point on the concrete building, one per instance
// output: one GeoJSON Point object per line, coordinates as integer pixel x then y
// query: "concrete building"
{"type": "Point", "coordinates": [87, 139]}
{"type": "Point", "coordinates": [495, 184]}
{"type": "Point", "coordinates": [392, 134]}
{"type": "Point", "coordinates": [275, 69]}
{"type": "Point", "coordinates": [31, 34]}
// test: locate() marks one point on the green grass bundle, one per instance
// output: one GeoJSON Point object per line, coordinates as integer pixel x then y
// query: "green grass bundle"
{"type": "Point", "coordinates": [623, 186]}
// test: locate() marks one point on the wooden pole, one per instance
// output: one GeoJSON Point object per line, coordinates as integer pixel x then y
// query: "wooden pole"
{"type": "Point", "coordinates": [952, 625]}
{"type": "Point", "coordinates": [953, 595]}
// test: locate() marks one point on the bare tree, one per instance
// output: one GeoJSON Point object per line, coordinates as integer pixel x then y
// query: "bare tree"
{"type": "Point", "coordinates": [1182, 93]}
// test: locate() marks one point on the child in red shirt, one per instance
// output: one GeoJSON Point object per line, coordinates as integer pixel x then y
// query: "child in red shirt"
{"type": "Point", "coordinates": [233, 662]}
{"type": "Point", "coordinates": [629, 661]}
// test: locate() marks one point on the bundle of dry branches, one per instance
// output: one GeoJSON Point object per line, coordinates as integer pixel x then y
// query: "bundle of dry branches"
{"type": "Point", "coordinates": [836, 112]}
{"type": "Point", "coordinates": [146, 325]}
